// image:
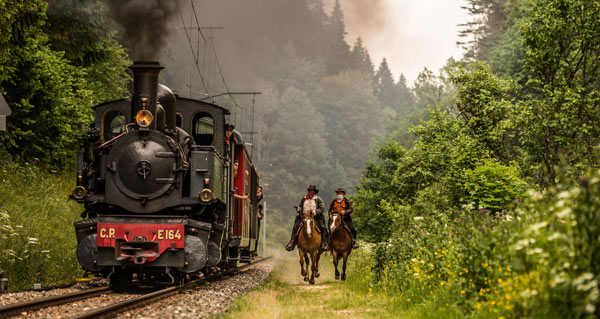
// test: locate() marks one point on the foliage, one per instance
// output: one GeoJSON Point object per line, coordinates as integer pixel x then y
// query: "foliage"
{"type": "Point", "coordinates": [51, 95]}
{"type": "Point", "coordinates": [562, 51]}
{"type": "Point", "coordinates": [37, 242]}
{"type": "Point", "coordinates": [464, 229]}
{"type": "Point", "coordinates": [492, 186]}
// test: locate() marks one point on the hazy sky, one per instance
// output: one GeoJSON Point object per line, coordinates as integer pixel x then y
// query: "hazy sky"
{"type": "Point", "coordinates": [410, 34]}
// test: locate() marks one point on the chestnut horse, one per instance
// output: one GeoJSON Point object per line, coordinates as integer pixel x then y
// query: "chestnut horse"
{"type": "Point", "coordinates": [309, 243]}
{"type": "Point", "coordinates": [341, 242]}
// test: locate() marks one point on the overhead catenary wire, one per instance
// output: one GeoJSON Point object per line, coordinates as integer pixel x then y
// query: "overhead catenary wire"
{"type": "Point", "coordinates": [192, 49]}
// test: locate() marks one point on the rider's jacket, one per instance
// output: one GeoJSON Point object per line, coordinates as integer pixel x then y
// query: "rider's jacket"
{"type": "Point", "coordinates": [314, 204]}
{"type": "Point", "coordinates": [345, 205]}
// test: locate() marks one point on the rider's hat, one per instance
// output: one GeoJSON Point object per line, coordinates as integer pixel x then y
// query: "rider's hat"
{"type": "Point", "coordinates": [340, 190]}
{"type": "Point", "coordinates": [313, 188]}
{"type": "Point", "coordinates": [229, 127]}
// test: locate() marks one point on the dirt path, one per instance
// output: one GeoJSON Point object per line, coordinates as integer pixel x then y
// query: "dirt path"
{"type": "Point", "coordinates": [287, 295]}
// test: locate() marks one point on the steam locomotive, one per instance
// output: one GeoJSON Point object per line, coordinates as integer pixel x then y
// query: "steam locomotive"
{"type": "Point", "coordinates": [157, 182]}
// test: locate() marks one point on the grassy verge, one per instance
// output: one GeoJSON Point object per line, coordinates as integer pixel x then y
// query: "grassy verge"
{"type": "Point", "coordinates": [286, 295]}
{"type": "Point", "coordinates": [37, 240]}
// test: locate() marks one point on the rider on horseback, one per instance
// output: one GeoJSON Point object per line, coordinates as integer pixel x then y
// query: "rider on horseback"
{"type": "Point", "coordinates": [344, 206]}
{"type": "Point", "coordinates": [313, 203]}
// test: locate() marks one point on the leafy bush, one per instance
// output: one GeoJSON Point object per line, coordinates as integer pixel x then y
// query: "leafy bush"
{"type": "Point", "coordinates": [493, 186]}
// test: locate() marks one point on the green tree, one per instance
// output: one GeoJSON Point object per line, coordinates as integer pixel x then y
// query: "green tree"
{"type": "Point", "coordinates": [50, 96]}
{"type": "Point", "coordinates": [559, 119]}
{"type": "Point", "coordinates": [384, 86]}
{"type": "Point", "coordinates": [360, 59]}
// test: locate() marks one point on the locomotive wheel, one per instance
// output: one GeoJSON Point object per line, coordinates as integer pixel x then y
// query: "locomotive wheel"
{"type": "Point", "coordinates": [121, 281]}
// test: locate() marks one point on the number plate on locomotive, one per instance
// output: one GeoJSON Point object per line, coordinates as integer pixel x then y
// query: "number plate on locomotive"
{"type": "Point", "coordinates": [168, 235]}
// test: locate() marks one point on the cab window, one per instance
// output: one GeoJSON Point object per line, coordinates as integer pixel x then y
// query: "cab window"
{"type": "Point", "coordinates": [114, 124]}
{"type": "Point", "coordinates": [203, 127]}
{"type": "Point", "coordinates": [179, 120]}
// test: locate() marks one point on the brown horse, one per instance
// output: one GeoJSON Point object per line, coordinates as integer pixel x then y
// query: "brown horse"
{"type": "Point", "coordinates": [341, 242]}
{"type": "Point", "coordinates": [309, 243]}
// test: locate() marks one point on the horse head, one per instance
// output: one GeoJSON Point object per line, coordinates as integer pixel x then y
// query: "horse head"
{"type": "Point", "coordinates": [308, 219]}
{"type": "Point", "coordinates": [335, 221]}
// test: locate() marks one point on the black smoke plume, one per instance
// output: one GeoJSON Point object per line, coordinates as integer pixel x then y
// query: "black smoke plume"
{"type": "Point", "coordinates": [145, 24]}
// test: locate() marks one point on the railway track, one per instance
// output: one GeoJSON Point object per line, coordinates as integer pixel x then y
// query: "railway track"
{"type": "Point", "coordinates": [33, 305]}
{"type": "Point", "coordinates": [112, 310]}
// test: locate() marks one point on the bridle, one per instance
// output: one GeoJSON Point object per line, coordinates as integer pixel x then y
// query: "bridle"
{"type": "Point", "coordinates": [334, 217]}
{"type": "Point", "coordinates": [307, 218]}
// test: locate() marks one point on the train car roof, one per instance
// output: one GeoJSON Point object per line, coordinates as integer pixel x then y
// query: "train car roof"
{"type": "Point", "coordinates": [225, 111]}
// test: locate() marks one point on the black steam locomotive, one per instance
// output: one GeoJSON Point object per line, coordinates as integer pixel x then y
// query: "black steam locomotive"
{"type": "Point", "coordinates": [158, 183]}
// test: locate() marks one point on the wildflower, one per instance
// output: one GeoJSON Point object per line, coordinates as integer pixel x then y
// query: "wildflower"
{"type": "Point", "coordinates": [462, 292]}
{"type": "Point", "coordinates": [589, 308]}
{"type": "Point", "coordinates": [418, 218]}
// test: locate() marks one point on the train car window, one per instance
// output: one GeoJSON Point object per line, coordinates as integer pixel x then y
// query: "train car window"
{"type": "Point", "coordinates": [179, 120]}
{"type": "Point", "coordinates": [113, 124]}
{"type": "Point", "coordinates": [203, 128]}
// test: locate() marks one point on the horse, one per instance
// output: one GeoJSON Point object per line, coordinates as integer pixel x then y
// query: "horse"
{"type": "Point", "coordinates": [309, 243]}
{"type": "Point", "coordinates": [341, 242]}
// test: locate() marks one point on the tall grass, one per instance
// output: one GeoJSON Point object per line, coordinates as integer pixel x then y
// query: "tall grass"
{"type": "Point", "coordinates": [37, 239]}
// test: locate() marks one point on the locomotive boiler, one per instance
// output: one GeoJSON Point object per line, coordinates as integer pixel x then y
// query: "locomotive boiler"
{"type": "Point", "coordinates": [157, 182]}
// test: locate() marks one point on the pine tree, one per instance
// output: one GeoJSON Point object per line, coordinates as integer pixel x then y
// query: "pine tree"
{"type": "Point", "coordinates": [486, 29]}
{"type": "Point", "coordinates": [339, 50]}
{"type": "Point", "coordinates": [403, 94]}
{"type": "Point", "coordinates": [360, 59]}
{"type": "Point", "coordinates": [384, 86]}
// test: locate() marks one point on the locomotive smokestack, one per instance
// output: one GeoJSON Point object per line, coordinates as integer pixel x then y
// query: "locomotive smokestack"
{"type": "Point", "coordinates": [145, 88]}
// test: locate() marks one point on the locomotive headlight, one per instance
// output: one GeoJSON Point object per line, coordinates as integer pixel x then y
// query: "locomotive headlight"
{"type": "Point", "coordinates": [79, 192]}
{"type": "Point", "coordinates": [144, 118]}
{"type": "Point", "coordinates": [206, 195]}
{"type": "Point", "coordinates": [206, 181]}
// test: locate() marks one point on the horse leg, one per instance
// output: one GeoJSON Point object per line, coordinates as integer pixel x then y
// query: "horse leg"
{"type": "Point", "coordinates": [301, 253]}
{"type": "Point", "coordinates": [344, 266]}
{"type": "Point", "coordinates": [313, 268]}
{"type": "Point", "coordinates": [317, 274]}
{"type": "Point", "coordinates": [307, 261]}
{"type": "Point", "coordinates": [335, 264]}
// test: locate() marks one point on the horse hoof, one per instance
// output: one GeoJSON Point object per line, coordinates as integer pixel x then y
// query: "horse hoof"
{"type": "Point", "coordinates": [305, 278]}
{"type": "Point", "coordinates": [317, 275]}
{"type": "Point", "coordinates": [303, 274]}
{"type": "Point", "coordinates": [312, 282]}
{"type": "Point", "coordinates": [337, 277]}
{"type": "Point", "coordinates": [344, 277]}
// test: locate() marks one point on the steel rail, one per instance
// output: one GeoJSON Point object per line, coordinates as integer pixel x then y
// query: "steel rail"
{"type": "Point", "coordinates": [110, 311]}
{"type": "Point", "coordinates": [36, 304]}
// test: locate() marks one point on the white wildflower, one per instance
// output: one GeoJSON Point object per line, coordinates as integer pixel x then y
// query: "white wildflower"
{"type": "Point", "coordinates": [564, 213]}
{"type": "Point", "coordinates": [554, 236]}
{"type": "Point", "coordinates": [418, 218]}
{"type": "Point", "coordinates": [590, 308]}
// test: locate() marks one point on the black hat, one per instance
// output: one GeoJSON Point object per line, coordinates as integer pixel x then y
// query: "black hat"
{"type": "Point", "coordinates": [313, 188]}
{"type": "Point", "coordinates": [229, 127]}
{"type": "Point", "coordinates": [340, 190]}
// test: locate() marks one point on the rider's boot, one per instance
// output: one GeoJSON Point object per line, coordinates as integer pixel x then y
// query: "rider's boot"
{"type": "Point", "coordinates": [354, 244]}
{"type": "Point", "coordinates": [292, 244]}
{"type": "Point", "coordinates": [325, 241]}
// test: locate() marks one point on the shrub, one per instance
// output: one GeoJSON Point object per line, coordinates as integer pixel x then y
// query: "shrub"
{"type": "Point", "coordinates": [493, 186]}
